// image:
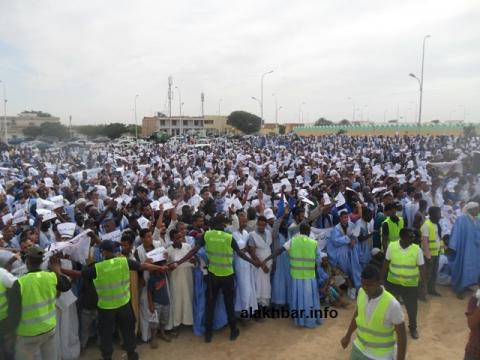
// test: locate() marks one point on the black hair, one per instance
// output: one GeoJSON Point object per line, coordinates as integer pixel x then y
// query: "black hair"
{"type": "Point", "coordinates": [434, 211]}
{"type": "Point", "coordinates": [404, 231]}
{"type": "Point", "coordinates": [423, 204]}
{"type": "Point", "coordinates": [304, 229]}
{"type": "Point", "coordinates": [262, 218]}
{"type": "Point", "coordinates": [371, 272]}
{"type": "Point", "coordinates": [144, 232]}
{"type": "Point", "coordinates": [128, 236]}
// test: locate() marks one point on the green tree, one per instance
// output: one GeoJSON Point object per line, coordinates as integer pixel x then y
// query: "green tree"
{"type": "Point", "coordinates": [54, 129]}
{"type": "Point", "coordinates": [32, 131]}
{"type": "Point", "coordinates": [114, 130]}
{"type": "Point", "coordinates": [323, 122]}
{"type": "Point", "coordinates": [281, 129]}
{"type": "Point", "coordinates": [90, 130]}
{"type": "Point", "coordinates": [344, 122]}
{"type": "Point", "coordinates": [131, 129]}
{"type": "Point", "coordinates": [244, 121]}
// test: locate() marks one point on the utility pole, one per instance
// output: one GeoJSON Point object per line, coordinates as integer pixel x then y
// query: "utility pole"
{"type": "Point", "coordinates": [202, 99]}
{"type": "Point", "coordinates": [170, 95]}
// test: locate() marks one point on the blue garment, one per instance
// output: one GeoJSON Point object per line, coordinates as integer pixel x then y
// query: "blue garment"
{"type": "Point", "coordinates": [304, 296]}
{"type": "Point", "coordinates": [199, 302]}
{"type": "Point", "coordinates": [465, 264]}
{"type": "Point", "coordinates": [341, 255]}
{"type": "Point", "coordinates": [364, 247]}
{"type": "Point", "coordinates": [281, 280]}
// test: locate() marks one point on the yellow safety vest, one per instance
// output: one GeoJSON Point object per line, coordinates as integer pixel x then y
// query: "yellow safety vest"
{"type": "Point", "coordinates": [372, 335]}
{"type": "Point", "coordinates": [302, 257]}
{"type": "Point", "coordinates": [403, 269]}
{"type": "Point", "coordinates": [393, 228]}
{"type": "Point", "coordinates": [39, 294]}
{"type": "Point", "coordinates": [112, 283]}
{"type": "Point", "coordinates": [218, 246]}
{"type": "Point", "coordinates": [3, 302]}
{"type": "Point", "coordinates": [432, 241]}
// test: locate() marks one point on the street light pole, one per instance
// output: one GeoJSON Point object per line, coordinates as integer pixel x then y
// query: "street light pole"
{"type": "Point", "coordinates": [353, 111]}
{"type": "Point", "coordinates": [179, 100]}
{"type": "Point", "coordinates": [261, 94]}
{"type": "Point", "coordinates": [420, 81]}
{"type": "Point", "coordinates": [136, 125]}
{"type": "Point", "coordinates": [259, 103]}
{"type": "Point", "coordinates": [300, 115]}
{"type": "Point", "coordinates": [5, 112]}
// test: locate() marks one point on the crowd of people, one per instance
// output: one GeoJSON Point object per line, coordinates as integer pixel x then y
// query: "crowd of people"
{"type": "Point", "coordinates": [138, 240]}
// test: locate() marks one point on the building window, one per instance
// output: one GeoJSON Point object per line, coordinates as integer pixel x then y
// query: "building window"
{"type": "Point", "coordinates": [162, 122]}
{"type": "Point", "coordinates": [208, 122]}
{"type": "Point", "coordinates": [31, 123]}
{"type": "Point", "coordinates": [185, 122]}
{"type": "Point", "coordinates": [174, 122]}
{"type": "Point", "coordinates": [195, 122]}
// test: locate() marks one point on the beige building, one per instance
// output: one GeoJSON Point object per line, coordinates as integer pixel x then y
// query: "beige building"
{"type": "Point", "coordinates": [217, 125]}
{"type": "Point", "coordinates": [176, 125]}
{"type": "Point", "coordinates": [16, 124]}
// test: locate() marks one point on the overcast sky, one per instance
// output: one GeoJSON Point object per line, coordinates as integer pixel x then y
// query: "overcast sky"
{"type": "Point", "coordinates": [90, 58]}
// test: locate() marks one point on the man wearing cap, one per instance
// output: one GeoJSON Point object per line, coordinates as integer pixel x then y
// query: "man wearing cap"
{"type": "Point", "coordinates": [219, 247]}
{"type": "Point", "coordinates": [6, 282]}
{"type": "Point", "coordinates": [31, 307]}
{"type": "Point", "coordinates": [464, 248]}
{"type": "Point", "coordinates": [111, 278]}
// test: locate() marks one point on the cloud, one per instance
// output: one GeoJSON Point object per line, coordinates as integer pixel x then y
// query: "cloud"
{"type": "Point", "coordinates": [89, 59]}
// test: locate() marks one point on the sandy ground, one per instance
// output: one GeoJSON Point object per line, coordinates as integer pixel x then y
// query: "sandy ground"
{"type": "Point", "coordinates": [441, 324]}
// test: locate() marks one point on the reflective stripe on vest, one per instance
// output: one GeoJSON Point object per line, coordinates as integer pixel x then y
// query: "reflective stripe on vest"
{"type": "Point", "coordinates": [433, 246]}
{"type": "Point", "coordinates": [112, 283]}
{"type": "Point", "coordinates": [3, 302]}
{"type": "Point", "coordinates": [394, 228]}
{"type": "Point", "coordinates": [302, 257]}
{"type": "Point", "coordinates": [372, 335]}
{"type": "Point", "coordinates": [39, 294]}
{"type": "Point", "coordinates": [403, 269]}
{"type": "Point", "coordinates": [218, 246]}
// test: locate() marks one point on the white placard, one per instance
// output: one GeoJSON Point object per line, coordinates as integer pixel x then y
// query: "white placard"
{"type": "Point", "coordinates": [115, 235]}
{"type": "Point", "coordinates": [6, 218]}
{"type": "Point", "coordinates": [157, 254]}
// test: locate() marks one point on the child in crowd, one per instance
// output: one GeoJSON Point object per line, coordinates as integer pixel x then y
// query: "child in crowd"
{"type": "Point", "coordinates": [159, 304]}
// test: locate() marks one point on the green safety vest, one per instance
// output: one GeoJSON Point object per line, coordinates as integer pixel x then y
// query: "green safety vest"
{"type": "Point", "coordinates": [394, 228]}
{"type": "Point", "coordinates": [112, 283]}
{"type": "Point", "coordinates": [302, 257]}
{"type": "Point", "coordinates": [3, 302]}
{"type": "Point", "coordinates": [372, 335]}
{"type": "Point", "coordinates": [39, 294]}
{"type": "Point", "coordinates": [403, 269]}
{"type": "Point", "coordinates": [432, 241]}
{"type": "Point", "coordinates": [218, 245]}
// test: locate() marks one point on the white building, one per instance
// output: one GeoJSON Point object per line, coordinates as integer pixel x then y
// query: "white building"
{"type": "Point", "coordinates": [16, 124]}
